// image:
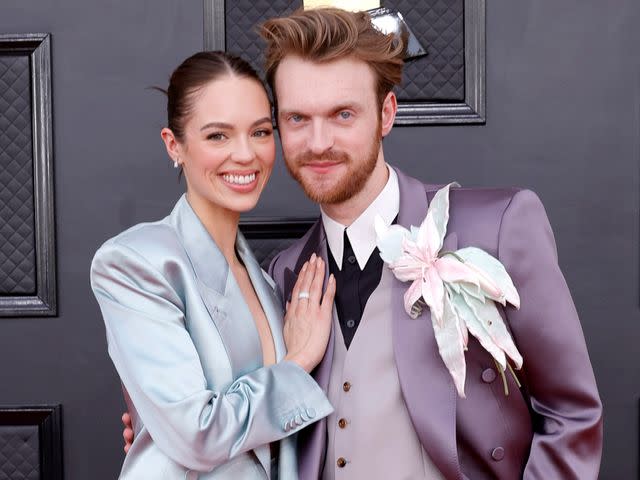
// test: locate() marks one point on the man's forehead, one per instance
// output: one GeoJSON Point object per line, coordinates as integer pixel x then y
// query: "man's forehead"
{"type": "Point", "coordinates": [338, 81]}
{"type": "Point", "coordinates": [344, 66]}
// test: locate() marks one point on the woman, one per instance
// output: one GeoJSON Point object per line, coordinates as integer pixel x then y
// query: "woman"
{"type": "Point", "coordinates": [194, 326]}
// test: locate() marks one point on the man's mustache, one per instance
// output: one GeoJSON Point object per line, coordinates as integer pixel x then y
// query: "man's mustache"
{"type": "Point", "coordinates": [330, 156]}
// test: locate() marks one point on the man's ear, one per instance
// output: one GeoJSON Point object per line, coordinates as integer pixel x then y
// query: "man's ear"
{"type": "Point", "coordinates": [171, 144]}
{"type": "Point", "coordinates": [388, 115]}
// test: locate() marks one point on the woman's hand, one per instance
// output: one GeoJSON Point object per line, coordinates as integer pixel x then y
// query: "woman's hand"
{"type": "Point", "coordinates": [308, 319]}
{"type": "Point", "coordinates": [127, 433]}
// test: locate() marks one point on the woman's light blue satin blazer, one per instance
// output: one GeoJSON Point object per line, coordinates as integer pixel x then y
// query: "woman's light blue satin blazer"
{"type": "Point", "coordinates": [189, 356]}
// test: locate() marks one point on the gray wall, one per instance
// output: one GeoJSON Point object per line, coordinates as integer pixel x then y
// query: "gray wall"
{"type": "Point", "coordinates": [563, 88]}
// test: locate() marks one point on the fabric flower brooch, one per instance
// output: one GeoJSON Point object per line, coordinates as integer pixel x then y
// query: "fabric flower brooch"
{"type": "Point", "coordinates": [459, 288]}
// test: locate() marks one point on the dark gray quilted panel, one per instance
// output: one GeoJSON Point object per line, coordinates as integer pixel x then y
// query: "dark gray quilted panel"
{"type": "Point", "coordinates": [242, 18]}
{"type": "Point", "coordinates": [438, 24]}
{"type": "Point", "coordinates": [19, 453]}
{"type": "Point", "coordinates": [17, 239]}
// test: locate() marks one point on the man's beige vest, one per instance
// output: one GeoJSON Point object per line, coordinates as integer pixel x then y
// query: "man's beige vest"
{"type": "Point", "coordinates": [370, 435]}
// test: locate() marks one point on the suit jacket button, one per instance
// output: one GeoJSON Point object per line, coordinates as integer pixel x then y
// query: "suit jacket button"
{"type": "Point", "coordinates": [342, 423]}
{"type": "Point", "coordinates": [341, 462]}
{"type": "Point", "coordinates": [489, 375]}
{"type": "Point", "coordinates": [497, 454]}
{"type": "Point", "coordinates": [298, 419]}
{"type": "Point", "coordinates": [311, 413]}
{"type": "Point", "coordinates": [346, 386]}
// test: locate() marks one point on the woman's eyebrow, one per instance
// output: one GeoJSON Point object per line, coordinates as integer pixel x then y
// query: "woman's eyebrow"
{"type": "Point", "coordinates": [228, 126]}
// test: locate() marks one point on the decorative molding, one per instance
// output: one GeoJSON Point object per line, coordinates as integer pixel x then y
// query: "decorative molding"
{"type": "Point", "coordinates": [48, 420]}
{"type": "Point", "coordinates": [275, 228]}
{"type": "Point", "coordinates": [471, 111]}
{"type": "Point", "coordinates": [214, 25]}
{"type": "Point", "coordinates": [474, 106]}
{"type": "Point", "coordinates": [37, 46]}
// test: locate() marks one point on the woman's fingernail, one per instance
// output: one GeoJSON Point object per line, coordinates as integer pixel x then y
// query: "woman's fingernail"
{"type": "Point", "coordinates": [304, 267]}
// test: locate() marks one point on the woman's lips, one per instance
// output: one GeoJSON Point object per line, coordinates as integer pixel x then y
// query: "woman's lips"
{"type": "Point", "coordinates": [240, 182]}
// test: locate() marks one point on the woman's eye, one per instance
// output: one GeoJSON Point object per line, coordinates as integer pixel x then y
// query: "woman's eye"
{"type": "Point", "coordinates": [216, 136]}
{"type": "Point", "coordinates": [262, 133]}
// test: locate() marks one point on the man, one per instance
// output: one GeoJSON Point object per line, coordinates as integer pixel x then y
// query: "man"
{"type": "Point", "coordinates": [397, 414]}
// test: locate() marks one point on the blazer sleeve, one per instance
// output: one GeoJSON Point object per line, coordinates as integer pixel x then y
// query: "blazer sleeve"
{"type": "Point", "coordinates": [558, 378]}
{"type": "Point", "coordinates": [197, 425]}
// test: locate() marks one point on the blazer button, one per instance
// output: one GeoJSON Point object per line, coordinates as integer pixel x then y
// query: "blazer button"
{"type": "Point", "coordinates": [346, 386]}
{"type": "Point", "coordinates": [298, 419]}
{"type": "Point", "coordinates": [342, 423]}
{"type": "Point", "coordinates": [341, 462]}
{"type": "Point", "coordinates": [311, 413]}
{"type": "Point", "coordinates": [497, 454]}
{"type": "Point", "coordinates": [489, 375]}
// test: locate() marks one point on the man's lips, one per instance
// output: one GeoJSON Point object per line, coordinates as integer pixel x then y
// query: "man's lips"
{"type": "Point", "coordinates": [321, 167]}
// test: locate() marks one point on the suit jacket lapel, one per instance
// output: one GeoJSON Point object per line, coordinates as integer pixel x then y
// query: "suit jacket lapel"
{"type": "Point", "coordinates": [209, 265]}
{"type": "Point", "coordinates": [212, 276]}
{"type": "Point", "coordinates": [270, 302]}
{"type": "Point", "coordinates": [426, 384]}
{"type": "Point", "coordinates": [312, 440]}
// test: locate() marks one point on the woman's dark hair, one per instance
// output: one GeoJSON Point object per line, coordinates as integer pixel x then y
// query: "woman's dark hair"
{"type": "Point", "coordinates": [193, 74]}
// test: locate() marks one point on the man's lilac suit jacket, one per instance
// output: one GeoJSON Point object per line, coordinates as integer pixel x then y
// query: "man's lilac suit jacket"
{"type": "Point", "coordinates": [551, 428]}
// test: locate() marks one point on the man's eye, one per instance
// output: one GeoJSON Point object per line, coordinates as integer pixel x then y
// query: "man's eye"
{"type": "Point", "coordinates": [345, 115]}
{"type": "Point", "coordinates": [295, 118]}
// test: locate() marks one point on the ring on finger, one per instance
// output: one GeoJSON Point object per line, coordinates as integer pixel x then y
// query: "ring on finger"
{"type": "Point", "coordinates": [302, 295]}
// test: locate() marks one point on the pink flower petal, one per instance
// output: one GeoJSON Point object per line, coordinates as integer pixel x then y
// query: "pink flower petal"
{"type": "Point", "coordinates": [407, 268]}
{"type": "Point", "coordinates": [433, 292]}
{"type": "Point", "coordinates": [452, 270]}
{"type": "Point", "coordinates": [412, 295]}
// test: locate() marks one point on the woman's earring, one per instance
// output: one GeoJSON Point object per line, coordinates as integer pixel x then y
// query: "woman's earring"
{"type": "Point", "coordinates": [175, 163]}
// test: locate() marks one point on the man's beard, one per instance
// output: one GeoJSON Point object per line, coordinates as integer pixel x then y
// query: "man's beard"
{"type": "Point", "coordinates": [347, 186]}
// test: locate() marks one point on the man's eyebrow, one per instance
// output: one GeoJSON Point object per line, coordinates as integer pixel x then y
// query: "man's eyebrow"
{"type": "Point", "coordinates": [338, 108]}
{"type": "Point", "coordinates": [228, 126]}
{"type": "Point", "coordinates": [288, 112]}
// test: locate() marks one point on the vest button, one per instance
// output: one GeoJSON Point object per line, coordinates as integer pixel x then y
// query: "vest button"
{"type": "Point", "coordinates": [489, 375]}
{"type": "Point", "coordinates": [497, 454]}
{"type": "Point", "coordinates": [346, 386]}
{"type": "Point", "coordinates": [342, 423]}
{"type": "Point", "coordinates": [351, 259]}
{"type": "Point", "coordinates": [351, 323]}
{"type": "Point", "coordinates": [341, 462]}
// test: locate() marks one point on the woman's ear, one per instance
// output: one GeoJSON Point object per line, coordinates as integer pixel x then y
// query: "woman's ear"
{"type": "Point", "coordinates": [388, 115]}
{"type": "Point", "coordinates": [172, 145]}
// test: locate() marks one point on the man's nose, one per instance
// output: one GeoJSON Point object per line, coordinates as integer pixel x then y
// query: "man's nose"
{"type": "Point", "coordinates": [321, 137]}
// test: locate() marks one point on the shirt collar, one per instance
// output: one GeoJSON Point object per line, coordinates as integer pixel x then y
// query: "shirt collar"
{"type": "Point", "coordinates": [361, 232]}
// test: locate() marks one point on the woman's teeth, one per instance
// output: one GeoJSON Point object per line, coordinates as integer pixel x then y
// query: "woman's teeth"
{"type": "Point", "coordinates": [239, 179]}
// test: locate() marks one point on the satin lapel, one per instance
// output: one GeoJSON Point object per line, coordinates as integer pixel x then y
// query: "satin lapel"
{"type": "Point", "coordinates": [272, 310]}
{"type": "Point", "coordinates": [212, 275]}
{"type": "Point", "coordinates": [312, 440]}
{"type": "Point", "coordinates": [210, 267]}
{"type": "Point", "coordinates": [426, 384]}
{"type": "Point", "coordinates": [268, 299]}
{"type": "Point", "coordinates": [208, 263]}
